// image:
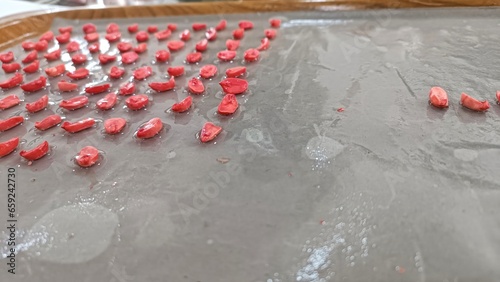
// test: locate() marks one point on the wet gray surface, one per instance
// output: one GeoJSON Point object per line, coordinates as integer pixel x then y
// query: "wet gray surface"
{"type": "Point", "coordinates": [388, 190]}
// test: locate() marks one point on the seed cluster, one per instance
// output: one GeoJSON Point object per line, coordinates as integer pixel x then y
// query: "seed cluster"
{"type": "Point", "coordinates": [232, 84]}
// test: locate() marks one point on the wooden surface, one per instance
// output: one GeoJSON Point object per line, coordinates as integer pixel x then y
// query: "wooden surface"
{"type": "Point", "coordinates": [15, 29]}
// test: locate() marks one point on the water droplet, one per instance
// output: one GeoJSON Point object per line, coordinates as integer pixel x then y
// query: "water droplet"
{"type": "Point", "coordinates": [171, 155]}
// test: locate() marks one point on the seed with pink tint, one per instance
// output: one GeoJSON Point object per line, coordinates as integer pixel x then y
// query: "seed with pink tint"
{"type": "Point", "coordinates": [87, 157]}
{"type": "Point", "coordinates": [137, 102]}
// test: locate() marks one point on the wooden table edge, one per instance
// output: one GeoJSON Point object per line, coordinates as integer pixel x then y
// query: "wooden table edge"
{"type": "Point", "coordinates": [16, 28]}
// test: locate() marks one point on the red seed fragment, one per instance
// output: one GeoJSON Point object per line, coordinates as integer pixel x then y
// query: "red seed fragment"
{"type": "Point", "coordinates": [124, 46]}
{"type": "Point", "coordinates": [221, 25]}
{"type": "Point", "coordinates": [116, 72]}
{"type": "Point", "coordinates": [152, 28]}
{"type": "Point", "coordinates": [127, 88]}
{"type": "Point", "coordinates": [238, 33]}
{"type": "Point", "coordinates": [105, 59]}
{"type": "Point", "coordinates": [74, 103]}
{"type": "Point", "coordinates": [270, 33]}
{"type": "Point", "coordinates": [65, 86]}
{"type": "Point", "coordinates": [63, 38]}
{"type": "Point", "coordinates": [226, 55]}
{"type": "Point", "coordinates": [438, 97]}
{"type": "Point", "coordinates": [498, 97]}
{"type": "Point", "coordinates": [11, 122]}
{"type": "Point", "coordinates": [142, 36]}
{"type": "Point", "coordinates": [80, 73]}
{"type": "Point", "coordinates": [7, 57]}
{"type": "Point", "coordinates": [33, 55]}
{"type": "Point", "coordinates": [183, 105]}
{"type": "Point", "coordinates": [87, 157]}
{"type": "Point", "coordinates": [108, 102]}
{"type": "Point", "coordinates": [162, 55]}
{"type": "Point", "coordinates": [275, 22]}
{"type": "Point", "coordinates": [8, 146]}
{"type": "Point", "coordinates": [175, 45]}
{"type": "Point", "coordinates": [41, 45]}
{"type": "Point", "coordinates": [10, 68]}
{"type": "Point", "coordinates": [208, 71]}
{"type": "Point", "coordinates": [28, 45]}
{"type": "Point", "coordinates": [149, 129]}
{"type": "Point", "coordinates": [9, 101]}
{"type": "Point", "coordinates": [340, 110]}
{"type": "Point", "coordinates": [79, 59]}
{"type": "Point", "coordinates": [176, 71]}
{"type": "Point", "coordinates": [12, 82]}
{"type": "Point", "coordinates": [38, 105]}
{"type": "Point", "coordinates": [48, 122]}
{"type": "Point", "coordinates": [91, 37]}
{"type": "Point", "coordinates": [94, 47]}
{"type": "Point", "coordinates": [245, 24]}
{"type": "Point", "coordinates": [54, 55]}
{"type": "Point", "coordinates": [73, 46]}
{"type": "Point", "coordinates": [185, 35]}
{"type": "Point", "coordinates": [129, 57]}
{"type": "Point", "coordinates": [137, 102]}
{"type": "Point", "coordinates": [172, 27]}
{"type": "Point", "coordinates": [232, 45]}
{"type": "Point", "coordinates": [193, 58]}
{"type": "Point", "coordinates": [209, 132]}
{"type": "Point", "coordinates": [47, 36]}
{"type": "Point", "coordinates": [163, 86]}
{"type": "Point", "coordinates": [64, 29]}
{"type": "Point", "coordinates": [211, 34]}
{"type": "Point", "coordinates": [55, 71]}
{"type": "Point", "coordinates": [228, 105]}
{"type": "Point", "coordinates": [35, 85]}
{"type": "Point", "coordinates": [234, 85]}
{"type": "Point", "coordinates": [89, 28]}
{"type": "Point", "coordinates": [114, 125]}
{"type": "Point", "coordinates": [143, 73]}
{"type": "Point", "coordinates": [195, 86]}
{"type": "Point", "coordinates": [141, 48]}
{"type": "Point", "coordinates": [96, 89]}
{"type": "Point", "coordinates": [236, 71]}
{"type": "Point", "coordinates": [251, 55]}
{"type": "Point", "coordinates": [113, 37]}
{"type": "Point", "coordinates": [74, 127]}
{"type": "Point", "coordinates": [112, 27]}
{"type": "Point", "coordinates": [133, 28]}
{"type": "Point", "coordinates": [33, 67]}
{"type": "Point", "coordinates": [37, 152]}
{"type": "Point", "coordinates": [474, 104]}
{"type": "Point", "coordinates": [199, 26]}
{"type": "Point", "coordinates": [201, 45]}
{"type": "Point", "coordinates": [264, 44]}
{"type": "Point", "coordinates": [164, 34]}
